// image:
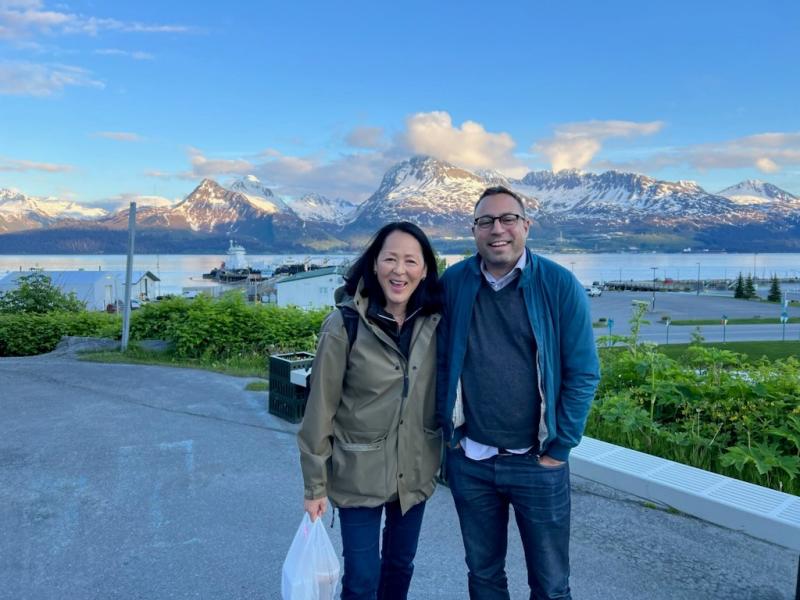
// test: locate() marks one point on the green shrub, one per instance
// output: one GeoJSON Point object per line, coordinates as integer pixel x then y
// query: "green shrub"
{"type": "Point", "coordinates": [35, 293]}
{"type": "Point", "coordinates": [26, 334]}
{"type": "Point", "coordinates": [713, 409]}
{"type": "Point", "coordinates": [203, 327]}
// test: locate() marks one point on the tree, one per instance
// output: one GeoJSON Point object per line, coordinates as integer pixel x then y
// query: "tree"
{"type": "Point", "coordinates": [35, 293]}
{"type": "Point", "coordinates": [738, 291]}
{"type": "Point", "coordinates": [774, 290]}
{"type": "Point", "coordinates": [749, 288]}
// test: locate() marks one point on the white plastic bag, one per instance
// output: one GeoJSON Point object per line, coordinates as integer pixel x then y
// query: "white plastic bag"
{"type": "Point", "coordinates": [311, 569]}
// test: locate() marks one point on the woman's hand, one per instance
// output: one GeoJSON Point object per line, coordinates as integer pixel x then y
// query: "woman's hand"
{"type": "Point", "coordinates": [315, 508]}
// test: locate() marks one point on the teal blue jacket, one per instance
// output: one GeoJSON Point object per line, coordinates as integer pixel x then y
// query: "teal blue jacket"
{"type": "Point", "coordinates": [568, 368]}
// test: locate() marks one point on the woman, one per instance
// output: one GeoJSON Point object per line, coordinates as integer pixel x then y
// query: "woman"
{"type": "Point", "coordinates": [368, 440]}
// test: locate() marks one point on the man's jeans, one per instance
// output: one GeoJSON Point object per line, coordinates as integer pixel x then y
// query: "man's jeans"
{"type": "Point", "coordinates": [482, 491]}
{"type": "Point", "coordinates": [368, 573]}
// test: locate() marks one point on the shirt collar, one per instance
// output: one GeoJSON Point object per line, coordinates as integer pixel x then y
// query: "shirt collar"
{"type": "Point", "coordinates": [508, 277]}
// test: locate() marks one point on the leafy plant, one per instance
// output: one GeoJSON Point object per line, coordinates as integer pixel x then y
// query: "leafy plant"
{"type": "Point", "coordinates": [26, 334]}
{"type": "Point", "coordinates": [36, 294]}
{"type": "Point", "coordinates": [711, 408]}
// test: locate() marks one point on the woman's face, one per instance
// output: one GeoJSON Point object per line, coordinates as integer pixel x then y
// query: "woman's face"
{"type": "Point", "coordinates": [399, 269]}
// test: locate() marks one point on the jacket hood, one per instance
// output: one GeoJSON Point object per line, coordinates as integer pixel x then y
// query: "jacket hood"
{"type": "Point", "coordinates": [358, 303]}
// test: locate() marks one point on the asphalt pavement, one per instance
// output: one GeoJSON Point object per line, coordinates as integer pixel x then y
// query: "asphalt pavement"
{"type": "Point", "coordinates": [123, 481]}
{"type": "Point", "coordinates": [617, 307]}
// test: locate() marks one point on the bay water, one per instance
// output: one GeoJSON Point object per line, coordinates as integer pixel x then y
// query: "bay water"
{"type": "Point", "coordinates": [179, 271]}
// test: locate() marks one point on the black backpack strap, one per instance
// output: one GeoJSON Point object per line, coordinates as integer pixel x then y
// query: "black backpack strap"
{"type": "Point", "coordinates": [350, 318]}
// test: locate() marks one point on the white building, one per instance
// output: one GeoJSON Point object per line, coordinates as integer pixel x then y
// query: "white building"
{"type": "Point", "coordinates": [312, 289]}
{"type": "Point", "coordinates": [97, 289]}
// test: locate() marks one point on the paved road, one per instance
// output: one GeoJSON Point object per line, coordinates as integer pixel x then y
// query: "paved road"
{"type": "Point", "coordinates": [130, 482]}
{"type": "Point", "coordinates": [618, 306]}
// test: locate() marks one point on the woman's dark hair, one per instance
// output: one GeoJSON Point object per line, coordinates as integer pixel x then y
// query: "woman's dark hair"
{"type": "Point", "coordinates": [425, 296]}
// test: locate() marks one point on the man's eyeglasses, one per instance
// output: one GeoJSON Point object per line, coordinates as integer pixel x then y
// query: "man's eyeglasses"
{"type": "Point", "coordinates": [507, 220]}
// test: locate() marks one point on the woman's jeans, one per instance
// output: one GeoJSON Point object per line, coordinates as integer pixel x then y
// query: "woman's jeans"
{"type": "Point", "coordinates": [482, 491]}
{"type": "Point", "coordinates": [368, 572]}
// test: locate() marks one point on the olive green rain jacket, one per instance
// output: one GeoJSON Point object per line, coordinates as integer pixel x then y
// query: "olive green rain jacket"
{"type": "Point", "coordinates": [369, 434]}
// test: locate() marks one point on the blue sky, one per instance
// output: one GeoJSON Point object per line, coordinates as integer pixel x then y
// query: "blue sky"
{"type": "Point", "coordinates": [104, 102]}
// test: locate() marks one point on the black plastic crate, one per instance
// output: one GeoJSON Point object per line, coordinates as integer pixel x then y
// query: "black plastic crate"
{"type": "Point", "coordinates": [287, 400]}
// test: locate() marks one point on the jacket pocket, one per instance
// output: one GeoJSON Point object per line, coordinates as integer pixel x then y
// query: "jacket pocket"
{"type": "Point", "coordinates": [430, 458]}
{"type": "Point", "coordinates": [358, 467]}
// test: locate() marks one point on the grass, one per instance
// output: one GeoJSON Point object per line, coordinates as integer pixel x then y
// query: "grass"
{"type": "Point", "coordinates": [240, 366]}
{"type": "Point", "coordinates": [748, 321]}
{"type": "Point", "coordinates": [753, 350]}
{"type": "Point", "coordinates": [257, 386]}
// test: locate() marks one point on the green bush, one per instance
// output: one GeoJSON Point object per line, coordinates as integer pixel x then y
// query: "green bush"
{"type": "Point", "coordinates": [203, 327]}
{"type": "Point", "coordinates": [35, 293]}
{"type": "Point", "coordinates": [25, 334]}
{"type": "Point", "coordinates": [713, 409]}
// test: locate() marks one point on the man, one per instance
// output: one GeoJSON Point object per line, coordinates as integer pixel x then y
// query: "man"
{"type": "Point", "coordinates": [517, 373]}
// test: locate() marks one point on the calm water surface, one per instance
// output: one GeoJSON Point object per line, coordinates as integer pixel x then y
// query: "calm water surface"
{"type": "Point", "coordinates": [179, 271]}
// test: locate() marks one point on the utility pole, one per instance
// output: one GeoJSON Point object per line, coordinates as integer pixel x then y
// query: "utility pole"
{"type": "Point", "coordinates": [126, 314]}
{"type": "Point", "coordinates": [654, 288]}
{"type": "Point", "coordinates": [698, 279]}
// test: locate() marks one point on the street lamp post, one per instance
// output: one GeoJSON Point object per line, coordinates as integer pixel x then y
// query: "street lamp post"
{"type": "Point", "coordinates": [654, 288]}
{"type": "Point", "coordinates": [698, 279]}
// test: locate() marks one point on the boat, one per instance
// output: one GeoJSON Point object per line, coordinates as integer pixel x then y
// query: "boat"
{"type": "Point", "coordinates": [235, 268]}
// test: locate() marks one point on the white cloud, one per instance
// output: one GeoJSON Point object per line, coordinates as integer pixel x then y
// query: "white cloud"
{"type": "Point", "coordinates": [214, 167]}
{"type": "Point", "coordinates": [767, 165]}
{"type": "Point", "coordinates": [159, 174]}
{"type": "Point", "coordinates": [574, 145]}
{"type": "Point", "coordinates": [352, 176]}
{"type": "Point", "coordinates": [120, 136]}
{"type": "Point", "coordinates": [469, 146]}
{"type": "Point", "coordinates": [30, 79]}
{"type": "Point", "coordinates": [23, 166]}
{"type": "Point", "coordinates": [365, 137]}
{"type": "Point", "coordinates": [135, 55]}
{"type": "Point", "coordinates": [767, 152]}
{"type": "Point", "coordinates": [21, 19]}
{"type": "Point", "coordinates": [123, 201]}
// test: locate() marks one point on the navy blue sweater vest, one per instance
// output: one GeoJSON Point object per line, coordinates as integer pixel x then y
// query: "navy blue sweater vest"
{"type": "Point", "coordinates": [501, 396]}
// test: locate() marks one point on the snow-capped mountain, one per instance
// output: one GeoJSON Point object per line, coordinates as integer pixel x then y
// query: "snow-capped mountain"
{"type": "Point", "coordinates": [211, 207]}
{"type": "Point", "coordinates": [617, 196]}
{"type": "Point", "coordinates": [259, 195]}
{"type": "Point", "coordinates": [595, 210]}
{"type": "Point", "coordinates": [760, 194]}
{"type": "Point", "coordinates": [315, 207]}
{"type": "Point", "coordinates": [19, 212]}
{"type": "Point", "coordinates": [434, 194]}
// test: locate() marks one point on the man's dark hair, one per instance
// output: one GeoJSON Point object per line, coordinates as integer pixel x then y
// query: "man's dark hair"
{"type": "Point", "coordinates": [425, 296]}
{"type": "Point", "coordinates": [500, 189]}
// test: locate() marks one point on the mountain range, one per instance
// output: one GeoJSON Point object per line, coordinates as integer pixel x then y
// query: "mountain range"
{"type": "Point", "coordinates": [571, 210]}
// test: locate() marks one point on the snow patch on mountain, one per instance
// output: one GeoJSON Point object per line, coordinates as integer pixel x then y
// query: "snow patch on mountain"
{"type": "Point", "coordinates": [315, 207]}
{"type": "Point", "coordinates": [428, 191]}
{"type": "Point", "coordinates": [759, 193]}
{"type": "Point", "coordinates": [259, 195]}
{"type": "Point", "coordinates": [614, 195]}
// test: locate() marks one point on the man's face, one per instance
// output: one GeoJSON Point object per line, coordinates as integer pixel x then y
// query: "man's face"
{"type": "Point", "coordinates": [500, 246]}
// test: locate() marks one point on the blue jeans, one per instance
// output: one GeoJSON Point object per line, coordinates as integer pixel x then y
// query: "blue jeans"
{"type": "Point", "coordinates": [482, 491]}
{"type": "Point", "coordinates": [368, 573]}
